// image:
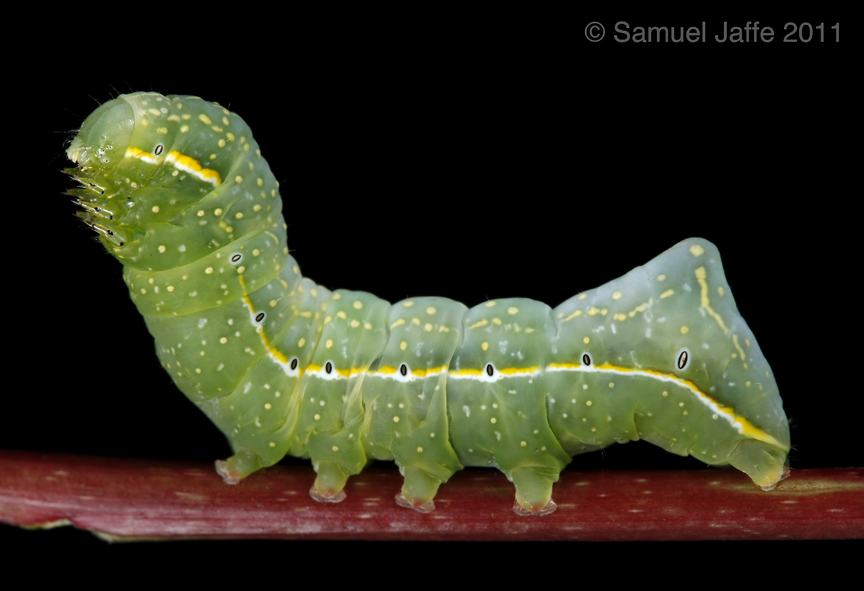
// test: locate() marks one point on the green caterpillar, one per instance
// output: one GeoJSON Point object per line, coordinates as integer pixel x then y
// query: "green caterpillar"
{"type": "Point", "coordinates": [178, 191]}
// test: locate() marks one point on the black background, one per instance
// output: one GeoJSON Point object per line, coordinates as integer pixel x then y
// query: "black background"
{"type": "Point", "coordinates": [472, 162]}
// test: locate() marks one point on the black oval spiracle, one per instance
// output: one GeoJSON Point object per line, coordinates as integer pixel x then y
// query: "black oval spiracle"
{"type": "Point", "coordinates": [586, 359]}
{"type": "Point", "coordinates": [259, 317]}
{"type": "Point", "coordinates": [158, 149]}
{"type": "Point", "coordinates": [490, 371]}
{"type": "Point", "coordinates": [294, 363]}
{"type": "Point", "coordinates": [683, 358]}
{"type": "Point", "coordinates": [328, 367]}
{"type": "Point", "coordinates": [403, 369]}
{"type": "Point", "coordinates": [235, 258]}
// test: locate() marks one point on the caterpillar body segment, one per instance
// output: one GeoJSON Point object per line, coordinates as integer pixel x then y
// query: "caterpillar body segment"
{"type": "Point", "coordinates": [180, 194]}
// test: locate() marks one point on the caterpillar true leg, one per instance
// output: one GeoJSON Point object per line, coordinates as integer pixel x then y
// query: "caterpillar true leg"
{"type": "Point", "coordinates": [180, 194]}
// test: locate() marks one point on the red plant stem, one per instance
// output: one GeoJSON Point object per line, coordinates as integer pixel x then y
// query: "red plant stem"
{"type": "Point", "coordinates": [126, 499]}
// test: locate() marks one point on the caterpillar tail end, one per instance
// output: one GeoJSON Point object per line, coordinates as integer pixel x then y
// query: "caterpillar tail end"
{"type": "Point", "coordinates": [786, 473]}
{"type": "Point", "coordinates": [533, 492]}
{"type": "Point", "coordinates": [418, 490]}
{"type": "Point", "coordinates": [239, 466]}
{"type": "Point", "coordinates": [765, 464]}
{"type": "Point", "coordinates": [329, 483]}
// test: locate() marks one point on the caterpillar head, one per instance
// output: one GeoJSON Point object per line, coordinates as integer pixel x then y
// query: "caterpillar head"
{"type": "Point", "coordinates": [143, 160]}
{"type": "Point", "coordinates": [165, 180]}
{"type": "Point", "coordinates": [104, 136]}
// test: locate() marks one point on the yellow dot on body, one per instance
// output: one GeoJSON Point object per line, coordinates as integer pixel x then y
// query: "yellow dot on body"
{"type": "Point", "coordinates": [268, 406]}
{"type": "Point", "coordinates": [197, 370]}
{"type": "Point", "coordinates": [512, 310]}
{"type": "Point", "coordinates": [217, 211]}
{"type": "Point", "coordinates": [335, 448]}
{"type": "Point", "coordinates": [355, 323]}
{"type": "Point", "coordinates": [665, 393]}
{"type": "Point", "coordinates": [200, 213]}
{"type": "Point", "coordinates": [496, 321]}
{"type": "Point", "coordinates": [328, 343]}
{"type": "Point", "coordinates": [582, 296]}
{"type": "Point", "coordinates": [170, 288]}
{"type": "Point", "coordinates": [238, 216]}
{"type": "Point", "coordinates": [260, 182]}
{"type": "Point", "coordinates": [184, 129]}
{"type": "Point", "coordinates": [431, 310]}
{"type": "Point", "coordinates": [586, 340]}
{"type": "Point", "coordinates": [408, 304]}
{"type": "Point", "coordinates": [493, 420]}
{"type": "Point", "coordinates": [661, 277]}
{"type": "Point", "coordinates": [616, 295]}
{"type": "Point", "coordinates": [162, 248]}
{"type": "Point", "coordinates": [588, 403]}
{"type": "Point", "coordinates": [403, 345]}
{"type": "Point", "coordinates": [208, 270]}
{"type": "Point", "coordinates": [611, 384]}
{"type": "Point", "coordinates": [697, 250]}
{"type": "Point", "coordinates": [357, 305]}
{"type": "Point", "coordinates": [273, 303]}
{"type": "Point", "coordinates": [205, 119]}
{"type": "Point", "coordinates": [301, 342]}
{"type": "Point", "coordinates": [241, 269]}
{"type": "Point", "coordinates": [256, 252]}
{"type": "Point", "coordinates": [485, 346]}
{"type": "Point", "coordinates": [272, 444]}
{"type": "Point", "coordinates": [720, 290]}
{"type": "Point", "coordinates": [395, 419]}
{"type": "Point", "coordinates": [257, 207]}
{"type": "Point", "coordinates": [419, 450]}
{"type": "Point", "coordinates": [221, 143]}
{"type": "Point", "coordinates": [523, 443]}
{"type": "Point", "coordinates": [238, 179]}
{"type": "Point", "coordinates": [428, 327]}
{"type": "Point", "coordinates": [490, 304]}
{"type": "Point", "coordinates": [685, 329]}
{"type": "Point", "coordinates": [223, 340]}
{"type": "Point", "coordinates": [317, 417]}
{"type": "Point", "coordinates": [341, 314]}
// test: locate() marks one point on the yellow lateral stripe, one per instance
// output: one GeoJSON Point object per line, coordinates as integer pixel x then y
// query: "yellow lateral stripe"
{"type": "Point", "coordinates": [180, 161]}
{"type": "Point", "coordinates": [270, 348]}
{"type": "Point", "coordinates": [386, 370]}
{"type": "Point", "coordinates": [192, 166]}
{"type": "Point", "coordinates": [705, 303]}
{"type": "Point", "coordinates": [345, 373]}
{"type": "Point", "coordinates": [743, 426]}
{"type": "Point", "coordinates": [509, 371]}
{"type": "Point", "coordinates": [133, 152]}
{"type": "Point", "coordinates": [466, 372]}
